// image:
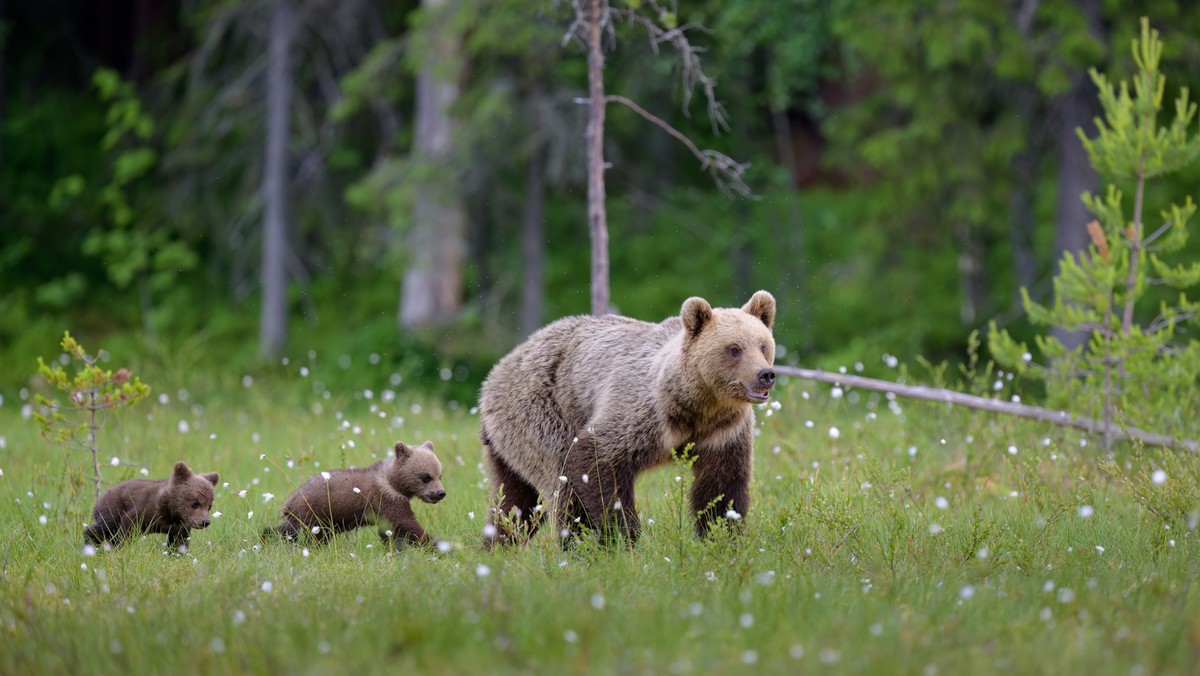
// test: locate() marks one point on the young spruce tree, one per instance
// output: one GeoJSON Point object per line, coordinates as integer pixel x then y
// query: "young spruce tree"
{"type": "Point", "coordinates": [1135, 369]}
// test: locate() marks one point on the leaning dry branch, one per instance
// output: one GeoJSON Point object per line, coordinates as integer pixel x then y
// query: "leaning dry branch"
{"type": "Point", "coordinates": [690, 71]}
{"type": "Point", "coordinates": [726, 171]}
{"type": "Point", "coordinates": [1020, 410]}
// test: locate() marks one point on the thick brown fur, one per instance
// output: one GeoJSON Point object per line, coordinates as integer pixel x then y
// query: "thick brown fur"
{"type": "Point", "coordinates": [173, 506]}
{"type": "Point", "coordinates": [328, 503]}
{"type": "Point", "coordinates": [599, 400]}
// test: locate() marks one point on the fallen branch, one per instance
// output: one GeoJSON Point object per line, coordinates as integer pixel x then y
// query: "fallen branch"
{"type": "Point", "coordinates": [1062, 418]}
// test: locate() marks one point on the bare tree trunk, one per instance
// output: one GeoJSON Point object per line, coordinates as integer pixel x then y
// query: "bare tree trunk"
{"type": "Point", "coordinates": [1075, 174]}
{"type": "Point", "coordinates": [273, 328]}
{"type": "Point", "coordinates": [533, 246]}
{"type": "Point", "coordinates": [432, 289]}
{"type": "Point", "coordinates": [597, 215]}
{"type": "Point", "coordinates": [1061, 418]}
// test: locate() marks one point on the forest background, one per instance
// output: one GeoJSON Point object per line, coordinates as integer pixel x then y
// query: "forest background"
{"type": "Point", "coordinates": [312, 179]}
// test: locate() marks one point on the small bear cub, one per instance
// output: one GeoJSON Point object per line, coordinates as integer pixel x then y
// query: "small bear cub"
{"type": "Point", "coordinates": [172, 506]}
{"type": "Point", "coordinates": [345, 499]}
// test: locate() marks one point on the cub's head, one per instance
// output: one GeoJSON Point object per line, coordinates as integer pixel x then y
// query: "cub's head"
{"type": "Point", "coordinates": [732, 350]}
{"type": "Point", "coordinates": [416, 472]}
{"type": "Point", "coordinates": [190, 495]}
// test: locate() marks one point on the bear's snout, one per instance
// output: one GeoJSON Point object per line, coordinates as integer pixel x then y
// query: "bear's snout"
{"type": "Point", "coordinates": [438, 495]}
{"type": "Point", "coordinates": [766, 377]}
{"type": "Point", "coordinates": [204, 524]}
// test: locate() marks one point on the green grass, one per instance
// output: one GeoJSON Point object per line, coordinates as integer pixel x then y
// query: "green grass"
{"type": "Point", "coordinates": [847, 562]}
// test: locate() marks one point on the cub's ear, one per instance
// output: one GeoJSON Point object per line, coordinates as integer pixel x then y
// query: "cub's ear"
{"type": "Point", "coordinates": [696, 314]}
{"type": "Point", "coordinates": [402, 450]}
{"type": "Point", "coordinates": [213, 477]}
{"type": "Point", "coordinates": [761, 305]}
{"type": "Point", "coordinates": [182, 471]}
{"type": "Point", "coordinates": [428, 444]}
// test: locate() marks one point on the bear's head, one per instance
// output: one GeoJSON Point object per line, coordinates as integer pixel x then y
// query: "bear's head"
{"type": "Point", "coordinates": [416, 472]}
{"type": "Point", "coordinates": [190, 495]}
{"type": "Point", "coordinates": [732, 349]}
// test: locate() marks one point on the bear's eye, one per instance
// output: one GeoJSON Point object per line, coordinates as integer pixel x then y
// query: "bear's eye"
{"type": "Point", "coordinates": [196, 505]}
{"type": "Point", "coordinates": [764, 350]}
{"type": "Point", "coordinates": [425, 478]}
{"type": "Point", "coordinates": [735, 351]}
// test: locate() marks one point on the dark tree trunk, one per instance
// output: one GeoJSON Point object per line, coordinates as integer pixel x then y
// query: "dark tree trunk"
{"type": "Point", "coordinates": [791, 260]}
{"type": "Point", "coordinates": [1074, 110]}
{"type": "Point", "coordinates": [533, 246]}
{"type": "Point", "coordinates": [1022, 222]}
{"type": "Point", "coordinates": [597, 215]}
{"type": "Point", "coordinates": [273, 330]}
{"type": "Point", "coordinates": [4, 28]}
{"type": "Point", "coordinates": [432, 289]}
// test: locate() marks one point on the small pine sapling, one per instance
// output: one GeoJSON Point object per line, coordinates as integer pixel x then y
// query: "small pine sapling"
{"type": "Point", "coordinates": [1144, 371]}
{"type": "Point", "coordinates": [93, 394]}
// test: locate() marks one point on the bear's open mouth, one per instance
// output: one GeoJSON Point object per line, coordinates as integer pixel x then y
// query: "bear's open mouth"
{"type": "Point", "coordinates": [757, 395]}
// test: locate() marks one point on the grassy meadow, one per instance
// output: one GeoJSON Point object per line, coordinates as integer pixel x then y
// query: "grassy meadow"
{"type": "Point", "coordinates": [884, 537]}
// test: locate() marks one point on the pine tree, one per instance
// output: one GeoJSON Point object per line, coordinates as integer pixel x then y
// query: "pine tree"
{"type": "Point", "coordinates": [1143, 374]}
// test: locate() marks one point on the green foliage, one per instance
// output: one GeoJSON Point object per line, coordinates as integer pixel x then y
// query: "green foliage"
{"type": "Point", "coordinates": [93, 394]}
{"type": "Point", "coordinates": [1147, 371]}
{"type": "Point", "coordinates": [134, 247]}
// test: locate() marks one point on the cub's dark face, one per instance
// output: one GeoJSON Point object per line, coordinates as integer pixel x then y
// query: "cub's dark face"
{"type": "Point", "coordinates": [191, 496]}
{"type": "Point", "coordinates": [416, 472]}
{"type": "Point", "coordinates": [733, 350]}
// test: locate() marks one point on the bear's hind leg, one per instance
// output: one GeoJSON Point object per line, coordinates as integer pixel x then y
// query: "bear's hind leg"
{"type": "Point", "coordinates": [514, 501]}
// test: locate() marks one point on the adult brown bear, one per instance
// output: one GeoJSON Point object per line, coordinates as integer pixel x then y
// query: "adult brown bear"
{"type": "Point", "coordinates": [580, 409]}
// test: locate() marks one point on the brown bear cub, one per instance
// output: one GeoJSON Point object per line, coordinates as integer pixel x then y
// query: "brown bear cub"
{"type": "Point", "coordinates": [586, 404]}
{"type": "Point", "coordinates": [345, 499]}
{"type": "Point", "coordinates": [172, 506]}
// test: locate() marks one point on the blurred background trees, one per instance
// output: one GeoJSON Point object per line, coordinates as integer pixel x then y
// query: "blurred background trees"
{"type": "Point", "coordinates": [408, 178]}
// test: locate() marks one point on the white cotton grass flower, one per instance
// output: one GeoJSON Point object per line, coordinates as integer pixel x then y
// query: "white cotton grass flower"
{"type": "Point", "coordinates": [482, 570]}
{"type": "Point", "coordinates": [115, 462]}
{"type": "Point", "coordinates": [489, 531]}
{"type": "Point", "coordinates": [443, 546]}
{"type": "Point", "coordinates": [242, 493]}
{"type": "Point", "coordinates": [834, 433]}
{"type": "Point", "coordinates": [1012, 450]}
{"type": "Point", "coordinates": [267, 497]}
{"type": "Point", "coordinates": [267, 586]}
{"type": "Point", "coordinates": [562, 479]}
{"type": "Point", "coordinates": [584, 478]}
{"type": "Point", "coordinates": [966, 592]}
{"type": "Point", "coordinates": [216, 515]}
{"type": "Point", "coordinates": [597, 601]}
{"type": "Point", "coordinates": [326, 476]}
{"type": "Point", "coordinates": [1159, 477]}
{"type": "Point", "coordinates": [941, 502]}
{"type": "Point", "coordinates": [935, 528]}
{"type": "Point", "coordinates": [316, 530]}
{"type": "Point", "coordinates": [184, 427]}
{"type": "Point", "coordinates": [357, 489]}
{"type": "Point", "coordinates": [836, 392]}
{"type": "Point", "coordinates": [1086, 511]}
{"type": "Point", "coordinates": [746, 620]}
{"type": "Point", "coordinates": [733, 515]}
{"type": "Point", "coordinates": [89, 550]}
{"type": "Point", "coordinates": [570, 636]}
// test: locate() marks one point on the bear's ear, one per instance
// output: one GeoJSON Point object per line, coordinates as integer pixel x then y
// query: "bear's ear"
{"type": "Point", "coordinates": [761, 305]}
{"type": "Point", "coordinates": [213, 477]}
{"type": "Point", "coordinates": [428, 445]}
{"type": "Point", "coordinates": [182, 471]}
{"type": "Point", "coordinates": [402, 450]}
{"type": "Point", "coordinates": [696, 314]}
